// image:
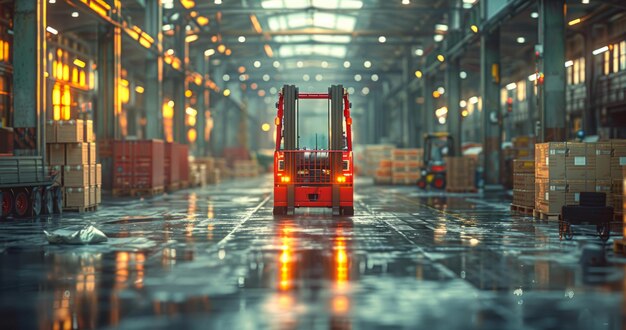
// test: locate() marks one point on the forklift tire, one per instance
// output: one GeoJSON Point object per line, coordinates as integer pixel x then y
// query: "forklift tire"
{"type": "Point", "coordinates": [22, 203]}
{"type": "Point", "coordinates": [48, 201]}
{"type": "Point", "coordinates": [36, 201]}
{"type": "Point", "coordinates": [7, 204]}
{"type": "Point", "coordinates": [421, 183]}
{"type": "Point", "coordinates": [57, 194]}
{"type": "Point", "coordinates": [347, 211]}
{"type": "Point", "coordinates": [280, 210]}
{"type": "Point", "coordinates": [439, 182]}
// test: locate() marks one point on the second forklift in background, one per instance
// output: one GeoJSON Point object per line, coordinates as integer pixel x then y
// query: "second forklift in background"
{"type": "Point", "coordinates": [436, 147]}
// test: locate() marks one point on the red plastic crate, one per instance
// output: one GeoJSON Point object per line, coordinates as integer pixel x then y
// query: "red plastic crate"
{"type": "Point", "coordinates": [183, 152]}
{"type": "Point", "coordinates": [171, 164]}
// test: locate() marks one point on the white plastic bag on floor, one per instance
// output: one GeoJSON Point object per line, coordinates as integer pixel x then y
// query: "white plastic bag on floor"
{"type": "Point", "coordinates": [87, 235]}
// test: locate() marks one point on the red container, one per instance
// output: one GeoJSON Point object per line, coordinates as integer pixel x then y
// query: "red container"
{"type": "Point", "coordinates": [172, 165]}
{"type": "Point", "coordinates": [138, 164]}
{"type": "Point", "coordinates": [183, 152]}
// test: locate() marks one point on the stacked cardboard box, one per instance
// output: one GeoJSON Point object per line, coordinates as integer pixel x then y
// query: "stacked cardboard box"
{"type": "Point", "coordinates": [460, 174]}
{"type": "Point", "coordinates": [245, 168]}
{"type": "Point", "coordinates": [197, 174]}
{"type": "Point", "coordinates": [71, 154]}
{"type": "Point", "coordinates": [224, 171]}
{"type": "Point", "coordinates": [563, 170]}
{"type": "Point", "coordinates": [383, 172]}
{"type": "Point", "coordinates": [524, 183]}
{"type": "Point", "coordinates": [373, 154]}
{"type": "Point", "coordinates": [523, 147]}
{"type": "Point", "coordinates": [406, 166]}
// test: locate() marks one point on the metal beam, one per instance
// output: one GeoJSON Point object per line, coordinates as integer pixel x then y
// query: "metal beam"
{"type": "Point", "coordinates": [319, 31]}
{"type": "Point", "coordinates": [490, 91]}
{"type": "Point", "coordinates": [413, 10]}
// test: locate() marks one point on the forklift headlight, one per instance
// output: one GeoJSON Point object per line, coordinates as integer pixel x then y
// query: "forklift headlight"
{"type": "Point", "coordinates": [285, 179]}
{"type": "Point", "coordinates": [424, 173]}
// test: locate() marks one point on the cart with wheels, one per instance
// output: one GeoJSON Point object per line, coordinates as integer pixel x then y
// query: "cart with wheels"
{"type": "Point", "coordinates": [591, 211]}
{"type": "Point", "coordinates": [26, 189]}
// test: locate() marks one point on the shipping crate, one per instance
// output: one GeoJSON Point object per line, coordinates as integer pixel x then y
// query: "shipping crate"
{"type": "Point", "coordinates": [89, 135]}
{"type": "Point", "coordinates": [55, 153]}
{"type": "Point", "coordinates": [618, 159]}
{"type": "Point", "coordinates": [76, 198]}
{"type": "Point", "coordinates": [51, 131]}
{"type": "Point", "coordinates": [76, 176]}
{"type": "Point", "coordinates": [552, 195]}
{"type": "Point", "coordinates": [604, 151]}
{"type": "Point", "coordinates": [171, 166]}
{"type": "Point", "coordinates": [77, 153]}
{"type": "Point", "coordinates": [460, 174]}
{"type": "Point", "coordinates": [98, 174]}
{"type": "Point", "coordinates": [92, 153]}
{"type": "Point", "coordinates": [92, 175]}
{"type": "Point", "coordinates": [70, 131]}
{"type": "Point", "coordinates": [148, 164]}
{"type": "Point", "coordinates": [98, 194]}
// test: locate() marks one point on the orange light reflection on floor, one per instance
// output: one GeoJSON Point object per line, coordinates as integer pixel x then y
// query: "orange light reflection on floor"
{"type": "Point", "coordinates": [285, 260]}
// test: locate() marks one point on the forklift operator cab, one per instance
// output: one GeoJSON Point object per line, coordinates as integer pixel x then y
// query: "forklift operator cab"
{"type": "Point", "coordinates": [313, 177]}
{"type": "Point", "coordinates": [437, 146]}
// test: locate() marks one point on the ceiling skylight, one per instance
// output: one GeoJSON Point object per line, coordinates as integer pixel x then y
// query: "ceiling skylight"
{"type": "Point", "coordinates": [299, 4]}
{"type": "Point", "coordinates": [306, 50]}
{"type": "Point", "coordinates": [318, 20]}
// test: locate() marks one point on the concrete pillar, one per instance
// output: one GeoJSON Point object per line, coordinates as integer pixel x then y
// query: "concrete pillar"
{"type": "Point", "coordinates": [108, 101]}
{"type": "Point", "coordinates": [180, 85]}
{"type": "Point", "coordinates": [490, 92]}
{"type": "Point", "coordinates": [154, 73]}
{"type": "Point", "coordinates": [406, 102]}
{"type": "Point", "coordinates": [552, 37]}
{"type": "Point", "coordinates": [453, 81]}
{"type": "Point", "coordinates": [29, 87]}
{"type": "Point", "coordinates": [202, 64]}
{"type": "Point", "coordinates": [428, 113]}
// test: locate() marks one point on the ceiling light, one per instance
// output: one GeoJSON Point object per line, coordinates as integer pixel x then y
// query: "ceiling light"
{"type": "Point", "coordinates": [374, 77]}
{"type": "Point", "coordinates": [418, 74]}
{"type": "Point", "coordinates": [209, 52]}
{"type": "Point", "coordinates": [218, 2]}
{"type": "Point", "coordinates": [52, 1]}
{"type": "Point", "coordinates": [365, 90]}
{"type": "Point", "coordinates": [367, 64]}
{"type": "Point", "coordinates": [441, 90]}
{"type": "Point", "coordinates": [168, 27]}
{"type": "Point", "coordinates": [79, 63]}
{"type": "Point", "coordinates": [462, 74]}
{"type": "Point", "coordinates": [534, 14]}
{"type": "Point", "coordinates": [463, 103]}
{"type": "Point", "coordinates": [511, 86]}
{"type": "Point", "coordinates": [442, 120]}
{"type": "Point", "coordinates": [226, 77]}
{"type": "Point", "coordinates": [257, 64]}
{"type": "Point", "coordinates": [318, 77]}
{"type": "Point", "coordinates": [382, 39]}
{"type": "Point", "coordinates": [471, 2]}
{"type": "Point", "coordinates": [324, 64]}
{"type": "Point", "coordinates": [440, 58]}
{"type": "Point", "coordinates": [474, 28]}
{"type": "Point", "coordinates": [241, 39]}
{"type": "Point", "coordinates": [600, 50]}
{"type": "Point", "coordinates": [406, 2]}
{"type": "Point", "coordinates": [276, 64]}
{"type": "Point", "coordinates": [306, 77]}
{"type": "Point", "coordinates": [191, 38]}
{"type": "Point", "coordinates": [585, 2]}
{"type": "Point", "coordinates": [574, 21]}
{"type": "Point", "coordinates": [532, 77]}
{"type": "Point", "coordinates": [299, 64]}
{"type": "Point", "coordinates": [521, 40]}
{"type": "Point", "coordinates": [226, 92]}
{"type": "Point", "coordinates": [74, 14]}
{"type": "Point", "coordinates": [569, 63]}
{"type": "Point", "coordinates": [139, 89]}
{"type": "Point", "coordinates": [419, 52]}
{"type": "Point", "coordinates": [473, 99]}
{"type": "Point", "coordinates": [242, 77]}
{"type": "Point", "coordinates": [438, 37]}
{"type": "Point", "coordinates": [357, 77]}
{"type": "Point", "coordinates": [266, 77]}
{"type": "Point", "coordinates": [52, 30]}
{"type": "Point", "coordinates": [169, 52]}
{"type": "Point", "coordinates": [346, 64]}
{"type": "Point", "coordinates": [273, 90]}
{"type": "Point", "coordinates": [441, 27]}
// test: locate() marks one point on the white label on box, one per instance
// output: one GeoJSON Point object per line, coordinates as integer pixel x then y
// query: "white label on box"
{"type": "Point", "coordinates": [622, 161]}
{"type": "Point", "coordinates": [580, 161]}
{"type": "Point", "coordinates": [547, 160]}
{"type": "Point", "coordinates": [552, 187]}
{"type": "Point", "coordinates": [552, 152]}
{"type": "Point", "coordinates": [577, 197]}
{"type": "Point", "coordinates": [547, 196]}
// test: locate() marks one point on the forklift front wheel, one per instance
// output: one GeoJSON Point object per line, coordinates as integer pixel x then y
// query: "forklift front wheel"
{"type": "Point", "coordinates": [280, 210]}
{"type": "Point", "coordinates": [421, 183]}
{"type": "Point", "coordinates": [439, 182]}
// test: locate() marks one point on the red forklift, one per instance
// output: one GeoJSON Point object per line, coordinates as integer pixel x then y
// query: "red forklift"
{"type": "Point", "coordinates": [313, 177]}
{"type": "Point", "coordinates": [437, 146]}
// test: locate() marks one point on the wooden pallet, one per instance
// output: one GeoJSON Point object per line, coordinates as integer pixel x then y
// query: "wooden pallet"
{"type": "Point", "coordinates": [172, 187]}
{"type": "Point", "coordinates": [545, 216]}
{"type": "Point", "coordinates": [118, 192]}
{"type": "Point", "coordinates": [619, 246]}
{"type": "Point", "coordinates": [526, 210]}
{"type": "Point", "coordinates": [147, 191]}
{"type": "Point", "coordinates": [79, 209]}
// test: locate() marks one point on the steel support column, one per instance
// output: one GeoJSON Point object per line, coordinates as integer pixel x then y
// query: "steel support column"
{"type": "Point", "coordinates": [180, 85]}
{"type": "Point", "coordinates": [202, 64]}
{"type": "Point", "coordinates": [428, 113]}
{"type": "Point", "coordinates": [406, 102]}
{"type": "Point", "coordinates": [453, 81]}
{"type": "Point", "coordinates": [552, 37]}
{"type": "Point", "coordinates": [108, 101]}
{"type": "Point", "coordinates": [154, 73]}
{"type": "Point", "coordinates": [29, 65]}
{"type": "Point", "coordinates": [490, 91]}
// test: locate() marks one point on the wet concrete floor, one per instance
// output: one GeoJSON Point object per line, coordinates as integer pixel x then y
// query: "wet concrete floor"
{"type": "Point", "coordinates": [216, 258]}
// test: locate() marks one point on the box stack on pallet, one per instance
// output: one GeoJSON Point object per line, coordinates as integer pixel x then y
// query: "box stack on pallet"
{"type": "Point", "coordinates": [610, 164]}
{"type": "Point", "coordinates": [523, 147]}
{"type": "Point", "coordinates": [619, 245]}
{"type": "Point", "coordinates": [224, 171]}
{"type": "Point", "coordinates": [460, 174]}
{"type": "Point", "coordinates": [406, 166]}
{"type": "Point", "coordinates": [523, 186]}
{"type": "Point", "coordinates": [212, 173]}
{"type": "Point", "coordinates": [138, 168]}
{"type": "Point", "coordinates": [562, 171]}
{"type": "Point", "coordinates": [384, 173]}
{"type": "Point", "coordinates": [373, 154]}
{"type": "Point", "coordinates": [245, 168]}
{"type": "Point", "coordinates": [71, 153]}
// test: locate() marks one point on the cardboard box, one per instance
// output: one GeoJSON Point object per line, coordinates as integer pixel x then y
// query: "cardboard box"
{"type": "Point", "coordinates": [89, 135]}
{"type": "Point", "coordinates": [92, 196]}
{"type": "Point", "coordinates": [55, 153]}
{"type": "Point", "coordinates": [51, 131]}
{"type": "Point", "coordinates": [580, 161]}
{"type": "Point", "coordinates": [70, 131]}
{"type": "Point", "coordinates": [524, 181]}
{"type": "Point", "coordinates": [98, 174]}
{"type": "Point", "coordinates": [75, 176]}
{"type": "Point", "coordinates": [92, 153]}
{"type": "Point", "coordinates": [76, 197]}
{"type": "Point", "coordinates": [98, 194]}
{"type": "Point", "coordinates": [92, 174]}
{"type": "Point", "coordinates": [77, 153]}
{"type": "Point", "coordinates": [524, 166]}
{"type": "Point", "coordinates": [550, 160]}
{"type": "Point", "coordinates": [603, 160]}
